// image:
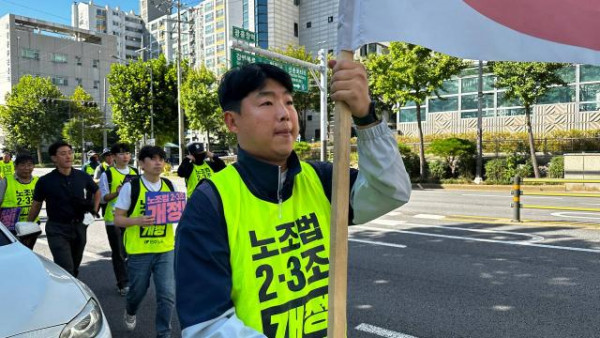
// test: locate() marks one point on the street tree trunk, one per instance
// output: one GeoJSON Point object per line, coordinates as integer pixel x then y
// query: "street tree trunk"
{"type": "Point", "coordinates": [421, 145]}
{"type": "Point", "coordinates": [536, 170]}
{"type": "Point", "coordinates": [39, 153]}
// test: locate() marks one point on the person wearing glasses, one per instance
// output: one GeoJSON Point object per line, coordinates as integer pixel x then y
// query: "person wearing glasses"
{"type": "Point", "coordinates": [69, 194]}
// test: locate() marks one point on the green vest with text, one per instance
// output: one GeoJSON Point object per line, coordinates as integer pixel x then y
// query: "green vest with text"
{"type": "Point", "coordinates": [148, 239]}
{"type": "Point", "coordinates": [199, 173]}
{"type": "Point", "coordinates": [6, 168]}
{"type": "Point", "coordinates": [88, 169]}
{"type": "Point", "coordinates": [279, 255]}
{"type": "Point", "coordinates": [115, 179]}
{"type": "Point", "coordinates": [19, 195]}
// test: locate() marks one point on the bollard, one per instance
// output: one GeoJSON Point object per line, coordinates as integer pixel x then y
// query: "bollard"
{"type": "Point", "coordinates": [516, 204]}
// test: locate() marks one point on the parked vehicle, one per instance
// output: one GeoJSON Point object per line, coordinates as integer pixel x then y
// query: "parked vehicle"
{"type": "Point", "coordinates": [40, 299]}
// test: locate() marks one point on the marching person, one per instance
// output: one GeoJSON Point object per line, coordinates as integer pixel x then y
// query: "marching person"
{"type": "Point", "coordinates": [149, 247]}
{"type": "Point", "coordinates": [7, 166]}
{"type": "Point", "coordinates": [69, 194]}
{"type": "Point", "coordinates": [92, 163]}
{"type": "Point", "coordinates": [107, 160]}
{"type": "Point", "coordinates": [16, 191]}
{"type": "Point", "coordinates": [252, 246]}
{"type": "Point", "coordinates": [111, 182]}
{"type": "Point", "coordinates": [195, 167]}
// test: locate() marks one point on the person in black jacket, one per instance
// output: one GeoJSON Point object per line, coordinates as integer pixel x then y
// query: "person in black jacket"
{"type": "Point", "coordinates": [195, 167]}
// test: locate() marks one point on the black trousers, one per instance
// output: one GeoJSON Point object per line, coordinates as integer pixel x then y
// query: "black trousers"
{"type": "Point", "coordinates": [67, 242]}
{"type": "Point", "coordinates": [115, 239]}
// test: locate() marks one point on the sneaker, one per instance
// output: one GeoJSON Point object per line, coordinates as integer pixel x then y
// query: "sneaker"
{"type": "Point", "coordinates": [123, 291]}
{"type": "Point", "coordinates": [129, 321]}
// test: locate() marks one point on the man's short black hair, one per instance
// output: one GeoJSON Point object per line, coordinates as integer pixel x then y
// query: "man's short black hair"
{"type": "Point", "coordinates": [22, 158]}
{"type": "Point", "coordinates": [120, 148]}
{"type": "Point", "coordinates": [150, 152]}
{"type": "Point", "coordinates": [237, 83]}
{"type": "Point", "coordinates": [58, 144]}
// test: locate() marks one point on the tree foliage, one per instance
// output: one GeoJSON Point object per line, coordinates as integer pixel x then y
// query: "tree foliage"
{"type": "Point", "coordinates": [90, 117]}
{"type": "Point", "coordinates": [410, 73]}
{"type": "Point", "coordinates": [452, 150]}
{"type": "Point", "coordinates": [131, 98]}
{"type": "Point", "coordinates": [527, 82]}
{"type": "Point", "coordinates": [26, 120]}
{"type": "Point", "coordinates": [200, 101]}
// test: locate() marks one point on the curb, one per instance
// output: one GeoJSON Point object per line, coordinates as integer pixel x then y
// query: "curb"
{"type": "Point", "coordinates": [473, 187]}
{"type": "Point", "coordinates": [508, 221]}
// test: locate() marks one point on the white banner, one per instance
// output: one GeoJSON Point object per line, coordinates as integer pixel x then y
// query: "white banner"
{"type": "Point", "coordinates": [507, 30]}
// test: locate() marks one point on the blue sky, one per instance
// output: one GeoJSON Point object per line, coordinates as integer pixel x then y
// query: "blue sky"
{"type": "Point", "coordinates": [57, 10]}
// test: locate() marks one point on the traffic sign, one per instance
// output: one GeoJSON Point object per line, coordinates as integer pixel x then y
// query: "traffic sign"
{"type": "Point", "coordinates": [244, 35]}
{"type": "Point", "coordinates": [298, 74]}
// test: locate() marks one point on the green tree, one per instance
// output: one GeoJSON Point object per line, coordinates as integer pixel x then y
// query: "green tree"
{"type": "Point", "coordinates": [90, 119]}
{"type": "Point", "coordinates": [27, 121]}
{"type": "Point", "coordinates": [410, 73]}
{"type": "Point", "coordinates": [200, 101]}
{"type": "Point", "coordinates": [132, 100]}
{"type": "Point", "coordinates": [527, 82]}
{"type": "Point", "coordinates": [452, 150]}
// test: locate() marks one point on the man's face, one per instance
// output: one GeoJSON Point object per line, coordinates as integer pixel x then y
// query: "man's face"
{"type": "Point", "coordinates": [267, 125]}
{"type": "Point", "coordinates": [6, 157]}
{"type": "Point", "coordinates": [63, 158]}
{"type": "Point", "coordinates": [122, 159]}
{"type": "Point", "coordinates": [154, 165]}
{"type": "Point", "coordinates": [110, 158]}
{"type": "Point", "coordinates": [24, 170]}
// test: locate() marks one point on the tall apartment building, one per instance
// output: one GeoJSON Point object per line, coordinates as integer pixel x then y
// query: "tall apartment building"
{"type": "Point", "coordinates": [318, 25]}
{"type": "Point", "coordinates": [68, 56]}
{"type": "Point", "coordinates": [126, 26]}
{"type": "Point", "coordinates": [151, 10]}
{"type": "Point", "coordinates": [162, 37]}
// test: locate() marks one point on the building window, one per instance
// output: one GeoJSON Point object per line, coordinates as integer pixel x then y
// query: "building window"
{"type": "Point", "coordinates": [309, 118]}
{"type": "Point", "coordinates": [59, 58]}
{"type": "Point", "coordinates": [79, 81]}
{"type": "Point", "coordinates": [297, 2]}
{"type": "Point", "coordinates": [60, 81]}
{"type": "Point", "coordinates": [330, 19]}
{"type": "Point", "coordinates": [308, 24]}
{"type": "Point", "coordinates": [33, 54]}
{"type": "Point", "coordinates": [95, 63]}
{"type": "Point", "coordinates": [295, 29]}
{"type": "Point", "coordinates": [78, 60]}
{"type": "Point", "coordinates": [96, 84]}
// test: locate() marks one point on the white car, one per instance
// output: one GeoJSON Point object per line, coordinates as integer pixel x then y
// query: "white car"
{"type": "Point", "coordinates": [40, 299]}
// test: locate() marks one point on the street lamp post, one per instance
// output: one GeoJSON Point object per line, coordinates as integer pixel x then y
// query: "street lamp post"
{"type": "Point", "coordinates": [141, 50]}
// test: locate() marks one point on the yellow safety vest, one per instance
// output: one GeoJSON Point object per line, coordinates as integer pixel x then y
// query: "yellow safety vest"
{"type": "Point", "coordinates": [116, 180]}
{"type": "Point", "coordinates": [7, 169]}
{"type": "Point", "coordinates": [279, 255]}
{"type": "Point", "coordinates": [148, 239]}
{"type": "Point", "coordinates": [88, 169]}
{"type": "Point", "coordinates": [199, 173]}
{"type": "Point", "coordinates": [19, 195]}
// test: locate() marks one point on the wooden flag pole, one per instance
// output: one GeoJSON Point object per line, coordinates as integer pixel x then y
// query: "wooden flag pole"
{"type": "Point", "coordinates": [338, 256]}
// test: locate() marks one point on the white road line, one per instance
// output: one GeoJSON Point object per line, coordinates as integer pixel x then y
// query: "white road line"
{"type": "Point", "coordinates": [394, 213]}
{"type": "Point", "coordinates": [544, 246]}
{"type": "Point", "coordinates": [507, 195]}
{"type": "Point", "coordinates": [429, 216]}
{"type": "Point", "coordinates": [85, 253]}
{"type": "Point", "coordinates": [567, 214]}
{"type": "Point", "coordinates": [378, 331]}
{"type": "Point", "coordinates": [387, 222]}
{"type": "Point", "coordinates": [400, 246]}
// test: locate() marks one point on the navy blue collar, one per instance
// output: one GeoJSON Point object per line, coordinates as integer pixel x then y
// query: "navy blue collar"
{"type": "Point", "coordinates": [262, 178]}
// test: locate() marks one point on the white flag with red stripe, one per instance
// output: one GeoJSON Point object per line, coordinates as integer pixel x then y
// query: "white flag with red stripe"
{"type": "Point", "coordinates": [508, 30]}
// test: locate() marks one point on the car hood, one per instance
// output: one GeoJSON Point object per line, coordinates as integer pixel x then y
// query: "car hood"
{"type": "Point", "coordinates": [34, 292]}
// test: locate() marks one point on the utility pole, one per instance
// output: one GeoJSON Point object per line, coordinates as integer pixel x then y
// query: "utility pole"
{"type": "Point", "coordinates": [479, 168]}
{"type": "Point", "coordinates": [323, 91]}
{"type": "Point", "coordinates": [105, 124]}
{"type": "Point", "coordinates": [179, 111]}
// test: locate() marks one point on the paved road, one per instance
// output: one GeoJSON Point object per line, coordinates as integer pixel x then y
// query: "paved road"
{"type": "Point", "coordinates": [416, 272]}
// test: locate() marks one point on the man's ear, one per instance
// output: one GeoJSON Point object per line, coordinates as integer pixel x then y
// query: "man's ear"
{"type": "Point", "coordinates": [230, 118]}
